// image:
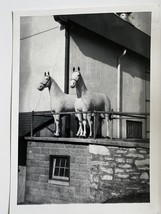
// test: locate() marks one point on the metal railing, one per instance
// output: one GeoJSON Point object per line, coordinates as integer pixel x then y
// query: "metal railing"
{"type": "Point", "coordinates": [113, 114]}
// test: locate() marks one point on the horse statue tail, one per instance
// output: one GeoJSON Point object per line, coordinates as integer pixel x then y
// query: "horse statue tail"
{"type": "Point", "coordinates": [110, 115]}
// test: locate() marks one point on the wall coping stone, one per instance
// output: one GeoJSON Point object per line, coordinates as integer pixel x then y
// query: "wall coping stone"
{"type": "Point", "coordinates": [98, 141]}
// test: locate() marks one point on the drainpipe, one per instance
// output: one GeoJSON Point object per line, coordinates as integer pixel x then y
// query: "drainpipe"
{"type": "Point", "coordinates": [118, 107]}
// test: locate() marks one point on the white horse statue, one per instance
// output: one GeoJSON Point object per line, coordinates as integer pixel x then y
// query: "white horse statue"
{"type": "Point", "coordinates": [59, 101]}
{"type": "Point", "coordinates": [88, 101]}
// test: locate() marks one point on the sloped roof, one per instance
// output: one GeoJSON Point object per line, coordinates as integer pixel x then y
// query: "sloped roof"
{"type": "Point", "coordinates": [114, 28]}
{"type": "Point", "coordinates": [25, 119]}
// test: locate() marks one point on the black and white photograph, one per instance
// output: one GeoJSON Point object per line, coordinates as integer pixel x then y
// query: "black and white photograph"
{"type": "Point", "coordinates": [80, 107]}
{"type": "Point", "coordinates": [84, 108]}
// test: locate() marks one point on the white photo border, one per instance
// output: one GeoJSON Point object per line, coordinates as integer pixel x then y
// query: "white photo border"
{"type": "Point", "coordinates": [155, 118]}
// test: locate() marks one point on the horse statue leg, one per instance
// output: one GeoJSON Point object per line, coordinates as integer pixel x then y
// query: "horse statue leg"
{"type": "Point", "coordinates": [57, 121]}
{"type": "Point", "coordinates": [80, 129]}
{"type": "Point", "coordinates": [84, 125]}
{"type": "Point", "coordinates": [90, 122]}
{"type": "Point", "coordinates": [107, 122]}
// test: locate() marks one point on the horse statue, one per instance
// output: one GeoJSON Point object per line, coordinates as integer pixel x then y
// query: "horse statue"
{"type": "Point", "coordinates": [88, 101]}
{"type": "Point", "coordinates": [59, 101]}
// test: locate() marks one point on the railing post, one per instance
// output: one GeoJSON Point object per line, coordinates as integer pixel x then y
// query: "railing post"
{"type": "Point", "coordinates": [32, 123]}
{"type": "Point", "coordinates": [94, 125]}
{"type": "Point", "coordinates": [111, 126]}
{"type": "Point", "coordinates": [145, 127]}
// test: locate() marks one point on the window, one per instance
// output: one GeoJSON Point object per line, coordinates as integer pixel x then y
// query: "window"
{"type": "Point", "coordinates": [59, 168]}
{"type": "Point", "coordinates": [134, 129]}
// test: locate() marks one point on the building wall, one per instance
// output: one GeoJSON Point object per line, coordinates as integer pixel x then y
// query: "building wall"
{"type": "Point", "coordinates": [96, 172]}
{"type": "Point", "coordinates": [98, 61]}
{"type": "Point", "coordinates": [39, 190]}
{"type": "Point", "coordinates": [40, 42]}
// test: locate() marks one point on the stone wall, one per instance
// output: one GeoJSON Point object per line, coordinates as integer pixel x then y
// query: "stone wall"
{"type": "Point", "coordinates": [117, 171]}
{"type": "Point", "coordinates": [97, 173]}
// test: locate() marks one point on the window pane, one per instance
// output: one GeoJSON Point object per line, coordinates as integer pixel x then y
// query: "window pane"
{"type": "Point", "coordinates": [67, 173]}
{"type": "Point", "coordinates": [61, 172]}
{"type": "Point", "coordinates": [57, 161]}
{"type": "Point", "coordinates": [67, 162]}
{"type": "Point", "coordinates": [56, 171]}
{"type": "Point", "coordinates": [63, 162]}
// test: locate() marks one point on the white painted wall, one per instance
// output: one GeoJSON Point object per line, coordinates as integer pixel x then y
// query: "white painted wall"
{"type": "Point", "coordinates": [97, 59]}
{"type": "Point", "coordinates": [42, 48]}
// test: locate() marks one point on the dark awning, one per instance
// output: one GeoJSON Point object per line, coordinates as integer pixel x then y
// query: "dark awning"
{"type": "Point", "coordinates": [113, 28]}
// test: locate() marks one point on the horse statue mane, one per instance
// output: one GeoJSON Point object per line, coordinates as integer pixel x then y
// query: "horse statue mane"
{"type": "Point", "coordinates": [59, 101]}
{"type": "Point", "coordinates": [88, 101]}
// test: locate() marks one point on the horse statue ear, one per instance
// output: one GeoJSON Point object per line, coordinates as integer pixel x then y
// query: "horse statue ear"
{"type": "Point", "coordinates": [44, 73]}
{"type": "Point", "coordinates": [78, 68]}
{"type": "Point", "coordinates": [48, 73]}
{"type": "Point", "coordinates": [73, 69]}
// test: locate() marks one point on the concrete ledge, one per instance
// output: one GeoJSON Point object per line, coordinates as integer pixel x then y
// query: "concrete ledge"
{"type": "Point", "coordinates": [99, 141]}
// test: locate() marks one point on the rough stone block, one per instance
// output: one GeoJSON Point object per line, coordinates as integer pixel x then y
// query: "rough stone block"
{"type": "Point", "coordinates": [118, 170]}
{"type": "Point", "coordinates": [122, 175]}
{"type": "Point", "coordinates": [121, 151]}
{"type": "Point", "coordinates": [96, 178]}
{"type": "Point", "coordinates": [139, 163]}
{"type": "Point", "coordinates": [115, 194]}
{"type": "Point", "coordinates": [117, 155]}
{"type": "Point", "coordinates": [130, 170]}
{"type": "Point", "coordinates": [125, 166]}
{"type": "Point", "coordinates": [107, 170]}
{"type": "Point", "coordinates": [129, 160]}
{"type": "Point", "coordinates": [143, 151]}
{"type": "Point", "coordinates": [94, 186]}
{"type": "Point", "coordinates": [134, 177]}
{"type": "Point", "coordinates": [109, 159]}
{"type": "Point", "coordinates": [135, 155]}
{"type": "Point", "coordinates": [107, 177]}
{"type": "Point", "coordinates": [100, 150]}
{"type": "Point", "coordinates": [144, 176]}
{"type": "Point", "coordinates": [144, 168]}
{"type": "Point", "coordinates": [120, 160]}
{"type": "Point", "coordinates": [132, 150]}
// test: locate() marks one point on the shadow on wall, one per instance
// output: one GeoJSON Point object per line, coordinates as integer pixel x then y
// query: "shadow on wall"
{"type": "Point", "coordinates": [105, 51]}
{"type": "Point", "coordinates": [95, 47]}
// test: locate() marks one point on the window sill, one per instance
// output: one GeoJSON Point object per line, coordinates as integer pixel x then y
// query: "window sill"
{"type": "Point", "coordinates": [57, 182]}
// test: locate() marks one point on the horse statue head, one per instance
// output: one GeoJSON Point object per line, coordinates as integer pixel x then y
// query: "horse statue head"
{"type": "Point", "coordinates": [45, 82]}
{"type": "Point", "coordinates": [75, 77]}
